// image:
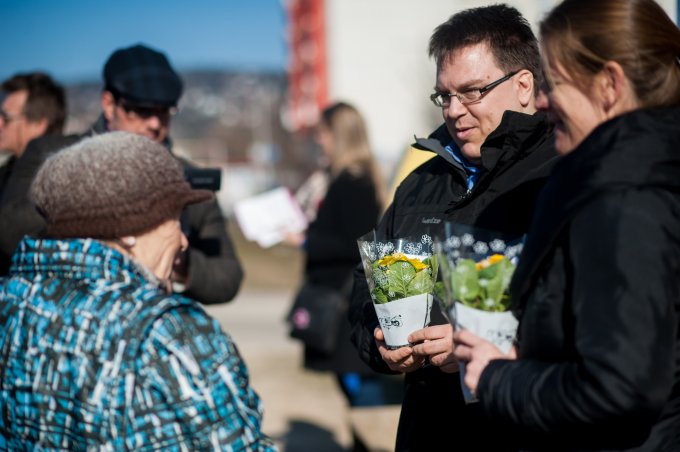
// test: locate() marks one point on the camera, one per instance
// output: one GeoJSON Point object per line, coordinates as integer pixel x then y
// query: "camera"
{"type": "Point", "coordinates": [204, 178]}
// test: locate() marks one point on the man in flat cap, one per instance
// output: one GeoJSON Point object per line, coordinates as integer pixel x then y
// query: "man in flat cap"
{"type": "Point", "coordinates": [140, 95]}
{"type": "Point", "coordinates": [141, 91]}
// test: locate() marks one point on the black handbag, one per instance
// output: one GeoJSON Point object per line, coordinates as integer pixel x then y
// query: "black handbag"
{"type": "Point", "coordinates": [316, 316]}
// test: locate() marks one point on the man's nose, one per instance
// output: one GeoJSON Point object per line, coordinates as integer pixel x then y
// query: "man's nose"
{"type": "Point", "coordinates": [154, 122]}
{"type": "Point", "coordinates": [184, 242]}
{"type": "Point", "coordinates": [455, 108]}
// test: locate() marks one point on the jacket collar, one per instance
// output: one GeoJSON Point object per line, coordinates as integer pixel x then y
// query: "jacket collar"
{"type": "Point", "coordinates": [78, 259]}
{"type": "Point", "coordinates": [510, 140]}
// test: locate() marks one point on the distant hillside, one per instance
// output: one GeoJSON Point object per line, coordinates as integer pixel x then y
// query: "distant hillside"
{"type": "Point", "coordinates": [225, 119]}
{"type": "Point", "coordinates": [221, 114]}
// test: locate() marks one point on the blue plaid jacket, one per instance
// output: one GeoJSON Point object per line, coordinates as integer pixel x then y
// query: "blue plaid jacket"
{"type": "Point", "coordinates": [95, 355]}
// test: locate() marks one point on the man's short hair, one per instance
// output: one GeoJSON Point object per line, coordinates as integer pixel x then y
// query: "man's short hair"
{"type": "Point", "coordinates": [46, 99]}
{"type": "Point", "coordinates": [507, 33]}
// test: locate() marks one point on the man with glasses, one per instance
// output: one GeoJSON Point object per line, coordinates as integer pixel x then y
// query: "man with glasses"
{"type": "Point", "coordinates": [493, 154]}
{"type": "Point", "coordinates": [140, 95]}
{"type": "Point", "coordinates": [141, 92]}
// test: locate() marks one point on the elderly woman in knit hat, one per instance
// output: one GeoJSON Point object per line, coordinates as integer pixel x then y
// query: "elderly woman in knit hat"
{"type": "Point", "coordinates": [96, 351]}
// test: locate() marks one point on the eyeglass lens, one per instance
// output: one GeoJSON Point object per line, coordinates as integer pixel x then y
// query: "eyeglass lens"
{"type": "Point", "coordinates": [467, 97]}
{"type": "Point", "coordinates": [147, 112]}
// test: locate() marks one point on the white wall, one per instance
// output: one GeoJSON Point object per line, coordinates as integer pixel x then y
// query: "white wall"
{"type": "Point", "coordinates": [377, 60]}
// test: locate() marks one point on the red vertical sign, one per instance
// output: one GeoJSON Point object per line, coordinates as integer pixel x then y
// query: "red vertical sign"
{"type": "Point", "coordinates": [307, 72]}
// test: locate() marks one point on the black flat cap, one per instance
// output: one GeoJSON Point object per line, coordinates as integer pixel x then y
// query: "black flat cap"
{"type": "Point", "coordinates": [142, 76]}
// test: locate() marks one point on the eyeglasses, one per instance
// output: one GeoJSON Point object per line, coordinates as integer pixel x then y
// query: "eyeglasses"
{"type": "Point", "coordinates": [468, 96]}
{"type": "Point", "coordinates": [7, 118]}
{"type": "Point", "coordinates": [143, 112]}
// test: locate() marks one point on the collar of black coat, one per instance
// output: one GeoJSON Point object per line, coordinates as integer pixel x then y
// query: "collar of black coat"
{"type": "Point", "coordinates": [37, 152]}
{"type": "Point", "coordinates": [515, 135]}
{"type": "Point", "coordinates": [640, 149]}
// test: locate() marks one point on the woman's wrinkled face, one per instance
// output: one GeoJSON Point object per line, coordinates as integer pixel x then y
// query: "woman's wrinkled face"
{"type": "Point", "coordinates": [158, 248]}
{"type": "Point", "coordinates": [573, 109]}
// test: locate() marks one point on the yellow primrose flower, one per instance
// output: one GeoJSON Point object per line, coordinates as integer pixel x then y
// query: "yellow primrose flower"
{"type": "Point", "coordinates": [493, 259]}
{"type": "Point", "coordinates": [400, 257]}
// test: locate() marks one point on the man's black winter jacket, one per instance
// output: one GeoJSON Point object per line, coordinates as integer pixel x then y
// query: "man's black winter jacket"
{"type": "Point", "coordinates": [516, 160]}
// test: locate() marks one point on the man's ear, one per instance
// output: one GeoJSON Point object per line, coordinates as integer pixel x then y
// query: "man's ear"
{"type": "Point", "coordinates": [525, 84]}
{"type": "Point", "coordinates": [108, 105]}
{"type": "Point", "coordinates": [37, 128]}
{"type": "Point", "coordinates": [128, 241]}
{"type": "Point", "coordinates": [614, 91]}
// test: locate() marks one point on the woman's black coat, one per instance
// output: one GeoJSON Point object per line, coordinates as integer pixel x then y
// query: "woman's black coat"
{"type": "Point", "coordinates": [598, 292]}
{"type": "Point", "coordinates": [349, 210]}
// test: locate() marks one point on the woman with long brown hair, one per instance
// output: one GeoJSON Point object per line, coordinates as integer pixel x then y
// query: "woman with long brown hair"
{"type": "Point", "coordinates": [349, 208]}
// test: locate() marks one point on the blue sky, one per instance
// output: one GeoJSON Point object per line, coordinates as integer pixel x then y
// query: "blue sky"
{"type": "Point", "coordinates": [71, 39]}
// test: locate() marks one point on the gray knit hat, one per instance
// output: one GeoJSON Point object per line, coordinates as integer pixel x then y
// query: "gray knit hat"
{"type": "Point", "coordinates": [111, 185]}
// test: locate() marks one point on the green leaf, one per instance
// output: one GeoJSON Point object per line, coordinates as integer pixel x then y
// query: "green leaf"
{"type": "Point", "coordinates": [497, 284]}
{"type": "Point", "coordinates": [446, 268]}
{"type": "Point", "coordinates": [421, 283]}
{"type": "Point", "coordinates": [494, 285]}
{"type": "Point", "coordinates": [433, 262]}
{"type": "Point", "coordinates": [465, 282]}
{"type": "Point", "coordinates": [508, 270]}
{"type": "Point", "coordinates": [380, 296]}
{"type": "Point", "coordinates": [400, 275]}
{"type": "Point", "coordinates": [490, 272]}
{"type": "Point", "coordinates": [440, 292]}
{"type": "Point", "coordinates": [381, 278]}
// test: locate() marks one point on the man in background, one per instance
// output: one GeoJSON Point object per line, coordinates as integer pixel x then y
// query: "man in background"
{"type": "Point", "coordinates": [33, 105]}
{"type": "Point", "coordinates": [140, 95]}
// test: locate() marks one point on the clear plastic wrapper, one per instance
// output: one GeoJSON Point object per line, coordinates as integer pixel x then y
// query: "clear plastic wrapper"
{"type": "Point", "coordinates": [401, 275]}
{"type": "Point", "coordinates": [476, 267]}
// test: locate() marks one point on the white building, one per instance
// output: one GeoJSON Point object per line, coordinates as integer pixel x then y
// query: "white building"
{"type": "Point", "coordinates": [376, 58]}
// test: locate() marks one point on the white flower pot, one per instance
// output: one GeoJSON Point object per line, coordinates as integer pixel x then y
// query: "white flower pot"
{"type": "Point", "coordinates": [499, 328]}
{"type": "Point", "coordinates": [399, 318]}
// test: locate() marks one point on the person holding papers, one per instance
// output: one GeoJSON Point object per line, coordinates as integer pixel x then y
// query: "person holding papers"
{"type": "Point", "coordinates": [351, 206]}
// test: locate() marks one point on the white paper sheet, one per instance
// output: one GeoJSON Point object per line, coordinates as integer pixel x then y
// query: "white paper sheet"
{"type": "Point", "coordinates": [267, 217]}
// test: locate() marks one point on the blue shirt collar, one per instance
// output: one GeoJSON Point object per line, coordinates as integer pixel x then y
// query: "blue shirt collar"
{"type": "Point", "coordinates": [472, 171]}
